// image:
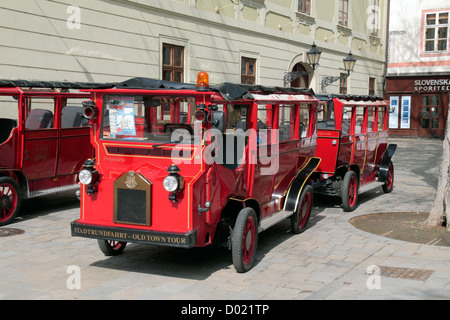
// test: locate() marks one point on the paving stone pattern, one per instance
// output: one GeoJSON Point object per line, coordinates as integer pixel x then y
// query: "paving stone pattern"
{"type": "Point", "coordinates": [330, 260]}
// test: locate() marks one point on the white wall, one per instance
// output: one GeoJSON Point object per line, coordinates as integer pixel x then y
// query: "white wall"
{"type": "Point", "coordinates": [406, 19]}
{"type": "Point", "coordinates": [120, 39]}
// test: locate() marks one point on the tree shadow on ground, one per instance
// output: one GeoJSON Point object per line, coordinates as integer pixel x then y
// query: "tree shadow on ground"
{"type": "Point", "coordinates": [405, 226]}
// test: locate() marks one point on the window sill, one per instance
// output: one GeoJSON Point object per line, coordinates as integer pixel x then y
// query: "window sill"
{"type": "Point", "coordinates": [430, 54]}
{"type": "Point", "coordinates": [253, 2]}
{"type": "Point", "coordinates": [305, 18]}
{"type": "Point", "coordinates": [344, 29]}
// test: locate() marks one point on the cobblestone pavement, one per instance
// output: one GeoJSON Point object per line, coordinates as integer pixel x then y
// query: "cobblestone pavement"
{"type": "Point", "coordinates": [330, 260]}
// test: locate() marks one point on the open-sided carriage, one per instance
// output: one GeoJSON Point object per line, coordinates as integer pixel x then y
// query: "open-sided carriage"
{"type": "Point", "coordinates": [353, 145]}
{"type": "Point", "coordinates": [191, 165]}
{"type": "Point", "coordinates": [44, 140]}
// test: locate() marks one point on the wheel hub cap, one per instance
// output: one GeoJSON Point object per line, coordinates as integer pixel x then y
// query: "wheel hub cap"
{"type": "Point", "coordinates": [4, 202]}
{"type": "Point", "coordinates": [248, 240]}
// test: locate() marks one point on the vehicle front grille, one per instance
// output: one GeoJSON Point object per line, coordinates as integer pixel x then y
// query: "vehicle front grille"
{"type": "Point", "coordinates": [131, 206]}
{"type": "Point", "coordinates": [132, 199]}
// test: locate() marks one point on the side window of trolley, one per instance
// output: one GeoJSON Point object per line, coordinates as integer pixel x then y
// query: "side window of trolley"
{"type": "Point", "coordinates": [371, 125]}
{"type": "Point", "coordinates": [40, 113]}
{"type": "Point", "coordinates": [232, 143]}
{"type": "Point", "coordinates": [236, 116]}
{"type": "Point", "coordinates": [265, 115]}
{"type": "Point", "coordinates": [325, 116]}
{"type": "Point", "coordinates": [187, 111]}
{"type": "Point", "coordinates": [9, 115]}
{"type": "Point", "coordinates": [286, 124]}
{"type": "Point", "coordinates": [381, 119]}
{"type": "Point", "coordinates": [304, 121]}
{"type": "Point", "coordinates": [72, 114]}
{"type": "Point", "coordinates": [346, 120]}
{"type": "Point", "coordinates": [9, 107]}
{"type": "Point", "coordinates": [359, 120]}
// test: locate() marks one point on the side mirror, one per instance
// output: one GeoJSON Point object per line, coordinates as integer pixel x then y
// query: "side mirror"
{"type": "Point", "coordinates": [218, 120]}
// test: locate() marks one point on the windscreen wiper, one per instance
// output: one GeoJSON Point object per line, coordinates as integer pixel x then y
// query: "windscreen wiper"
{"type": "Point", "coordinates": [168, 142]}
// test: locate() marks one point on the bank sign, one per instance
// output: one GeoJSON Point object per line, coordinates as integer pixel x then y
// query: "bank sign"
{"type": "Point", "coordinates": [432, 85]}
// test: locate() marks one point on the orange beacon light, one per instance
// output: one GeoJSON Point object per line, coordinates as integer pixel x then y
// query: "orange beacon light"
{"type": "Point", "coordinates": [202, 81]}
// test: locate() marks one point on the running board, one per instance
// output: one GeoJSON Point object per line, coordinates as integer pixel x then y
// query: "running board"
{"type": "Point", "coordinates": [38, 193]}
{"type": "Point", "coordinates": [370, 186]}
{"type": "Point", "coordinates": [266, 223]}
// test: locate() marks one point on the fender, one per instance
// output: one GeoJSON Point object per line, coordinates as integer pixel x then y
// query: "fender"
{"type": "Point", "coordinates": [384, 165]}
{"type": "Point", "coordinates": [296, 186]}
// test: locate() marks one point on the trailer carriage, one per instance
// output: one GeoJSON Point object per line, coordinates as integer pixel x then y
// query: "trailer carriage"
{"type": "Point", "coordinates": [354, 148]}
{"type": "Point", "coordinates": [44, 140]}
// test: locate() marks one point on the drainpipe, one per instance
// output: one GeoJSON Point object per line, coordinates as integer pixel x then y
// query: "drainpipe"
{"type": "Point", "coordinates": [387, 48]}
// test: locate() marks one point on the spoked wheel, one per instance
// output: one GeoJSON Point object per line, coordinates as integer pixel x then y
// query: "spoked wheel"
{"type": "Point", "coordinates": [389, 184]}
{"type": "Point", "coordinates": [300, 218]}
{"type": "Point", "coordinates": [244, 240]}
{"type": "Point", "coordinates": [350, 191]}
{"type": "Point", "coordinates": [9, 200]}
{"type": "Point", "coordinates": [111, 247]}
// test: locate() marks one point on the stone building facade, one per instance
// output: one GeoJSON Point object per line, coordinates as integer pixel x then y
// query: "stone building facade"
{"type": "Point", "coordinates": [259, 41]}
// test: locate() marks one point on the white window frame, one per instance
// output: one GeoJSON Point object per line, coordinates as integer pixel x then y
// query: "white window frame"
{"type": "Point", "coordinates": [436, 35]}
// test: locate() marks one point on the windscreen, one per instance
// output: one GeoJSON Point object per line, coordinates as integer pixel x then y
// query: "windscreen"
{"type": "Point", "coordinates": [150, 119]}
{"type": "Point", "coordinates": [8, 116]}
{"type": "Point", "coordinates": [325, 117]}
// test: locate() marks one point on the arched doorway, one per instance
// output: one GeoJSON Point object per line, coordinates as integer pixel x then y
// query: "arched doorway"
{"type": "Point", "coordinates": [298, 80]}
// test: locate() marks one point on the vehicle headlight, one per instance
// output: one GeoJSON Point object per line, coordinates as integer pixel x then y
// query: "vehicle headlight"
{"type": "Point", "coordinates": [170, 183]}
{"type": "Point", "coordinates": [85, 176]}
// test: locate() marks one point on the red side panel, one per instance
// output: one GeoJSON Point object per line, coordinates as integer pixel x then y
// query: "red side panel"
{"type": "Point", "coordinates": [40, 154]}
{"type": "Point", "coordinates": [75, 148]}
{"type": "Point", "coordinates": [328, 143]}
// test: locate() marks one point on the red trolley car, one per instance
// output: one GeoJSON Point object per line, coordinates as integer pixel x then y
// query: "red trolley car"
{"type": "Point", "coordinates": [353, 145]}
{"type": "Point", "coordinates": [188, 165]}
{"type": "Point", "coordinates": [44, 140]}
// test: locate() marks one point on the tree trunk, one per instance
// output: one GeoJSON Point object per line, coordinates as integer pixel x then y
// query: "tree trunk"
{"type": "Point", "coordinates": [440, 211]}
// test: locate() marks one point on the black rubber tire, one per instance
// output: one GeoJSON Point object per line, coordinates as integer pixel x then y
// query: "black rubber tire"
{"type": "Point", "coordinates": [389, 184]}
{"type": "Point", "coordinates": [349, 191]}
{"type": "Point", "coordinates": [10, 200]}
{"type": "Point", "coordinates": [300, 218]}
{"type": "Point", "coordinates": [111, 248]}
{"type": "Point", "coordinates": [244, 240]}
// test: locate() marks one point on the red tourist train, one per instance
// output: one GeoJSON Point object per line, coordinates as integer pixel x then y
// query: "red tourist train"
{"type": "Point", "coordinates": [191, 165]}
{"type": "Point", "coordinates": [44, 140]}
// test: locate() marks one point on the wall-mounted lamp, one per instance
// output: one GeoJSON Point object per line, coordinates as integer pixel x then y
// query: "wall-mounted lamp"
{"type": "Point", "coordinates": [349, 65]}
{"type": "Point", "coordinates": [217, 9]}
{"type": "Point", "coordinates": [313, 56]}
{"type": "Point", "coordinates": [280, 27]}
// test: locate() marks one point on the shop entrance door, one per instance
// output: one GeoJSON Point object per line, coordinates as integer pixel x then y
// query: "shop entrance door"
{"type": "Point", "coordinates": [430, 117]}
